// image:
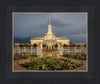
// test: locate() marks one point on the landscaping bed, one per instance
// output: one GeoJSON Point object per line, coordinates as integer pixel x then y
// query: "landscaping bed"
{"type": "Point", "coordinates": [51, 63]}
{"type": "Point", "coordinates": [79, 56]}
{"type": "Point", "coordinates": [24, 56]}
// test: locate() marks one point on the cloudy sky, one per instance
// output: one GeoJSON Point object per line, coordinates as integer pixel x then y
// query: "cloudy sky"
{"type": "Point", "coordinates": [70, 25]}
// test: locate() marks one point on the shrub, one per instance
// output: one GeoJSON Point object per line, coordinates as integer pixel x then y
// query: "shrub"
{"type": "Point", "coordinates": [29, 45]}
{"type": "Point", "coordinates": [44, 45]}
{"type": "Point", "coordinates": [24, 56]}
{"type": "Point", "coordinates": [25, 45]}
{"type": "Point", "coordinates": [82, 57]}
{"type": "Point", "coordinates": [78, 45]}
{"type": "Point", "coordinates": [15, 57]}
{"type": "Point", "coordinates": [64, 45]}
{"type": "Point", "coordinates": [34, 45]}
{"type": "Point", "coordinates": [84, 45]}
{"type": "Point", "coordinates": [72, 45]}
{"type": "Point", "coordinates": [20, 45]}
{"type": "Point", "coordinates": [56, 45]}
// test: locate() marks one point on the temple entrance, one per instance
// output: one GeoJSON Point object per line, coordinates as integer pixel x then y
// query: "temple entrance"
{"type": "Point", "coordinates": [50, 46]}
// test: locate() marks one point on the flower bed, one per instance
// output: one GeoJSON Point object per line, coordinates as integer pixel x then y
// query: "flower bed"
{"type": "Point", "coordinates": [24, 56]}
{"type": "Point", "coordinates": [81, 56]}
{"type": "Point", "coordinates": [51, 63]}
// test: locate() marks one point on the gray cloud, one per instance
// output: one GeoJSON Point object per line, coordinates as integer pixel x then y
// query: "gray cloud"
{"type": "Point", "coordinates": [72, 25]}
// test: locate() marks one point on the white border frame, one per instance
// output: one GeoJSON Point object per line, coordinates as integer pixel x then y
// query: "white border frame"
{"type": "Point", "coordinates": [49, 13]}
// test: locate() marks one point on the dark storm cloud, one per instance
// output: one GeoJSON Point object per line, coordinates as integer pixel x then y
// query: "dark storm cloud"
{"type": "Point", "coordinates": [58, 23]}
{"type": "Point", "coordinates": [72, 25]}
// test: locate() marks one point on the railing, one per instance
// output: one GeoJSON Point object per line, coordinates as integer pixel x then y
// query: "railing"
{"type": "Point", "coordinates": [24, 50]}
{"type": "Point", "coordinates": [75, 50]}
{"type": "Point", "coordinates": [67, 50]}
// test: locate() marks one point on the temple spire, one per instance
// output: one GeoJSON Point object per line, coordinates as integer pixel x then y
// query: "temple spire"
{"type": "Point", "coordinates": [49, 20]}
{"type": "Point", "coordinates": [49, 27]}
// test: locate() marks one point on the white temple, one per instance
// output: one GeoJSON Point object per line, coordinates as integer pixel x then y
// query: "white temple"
{"type": "Point", "coordinates": [50, 39]}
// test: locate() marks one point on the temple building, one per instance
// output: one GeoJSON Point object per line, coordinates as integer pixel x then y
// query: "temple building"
{"type": "Point", "coordinates": [50, 39]}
